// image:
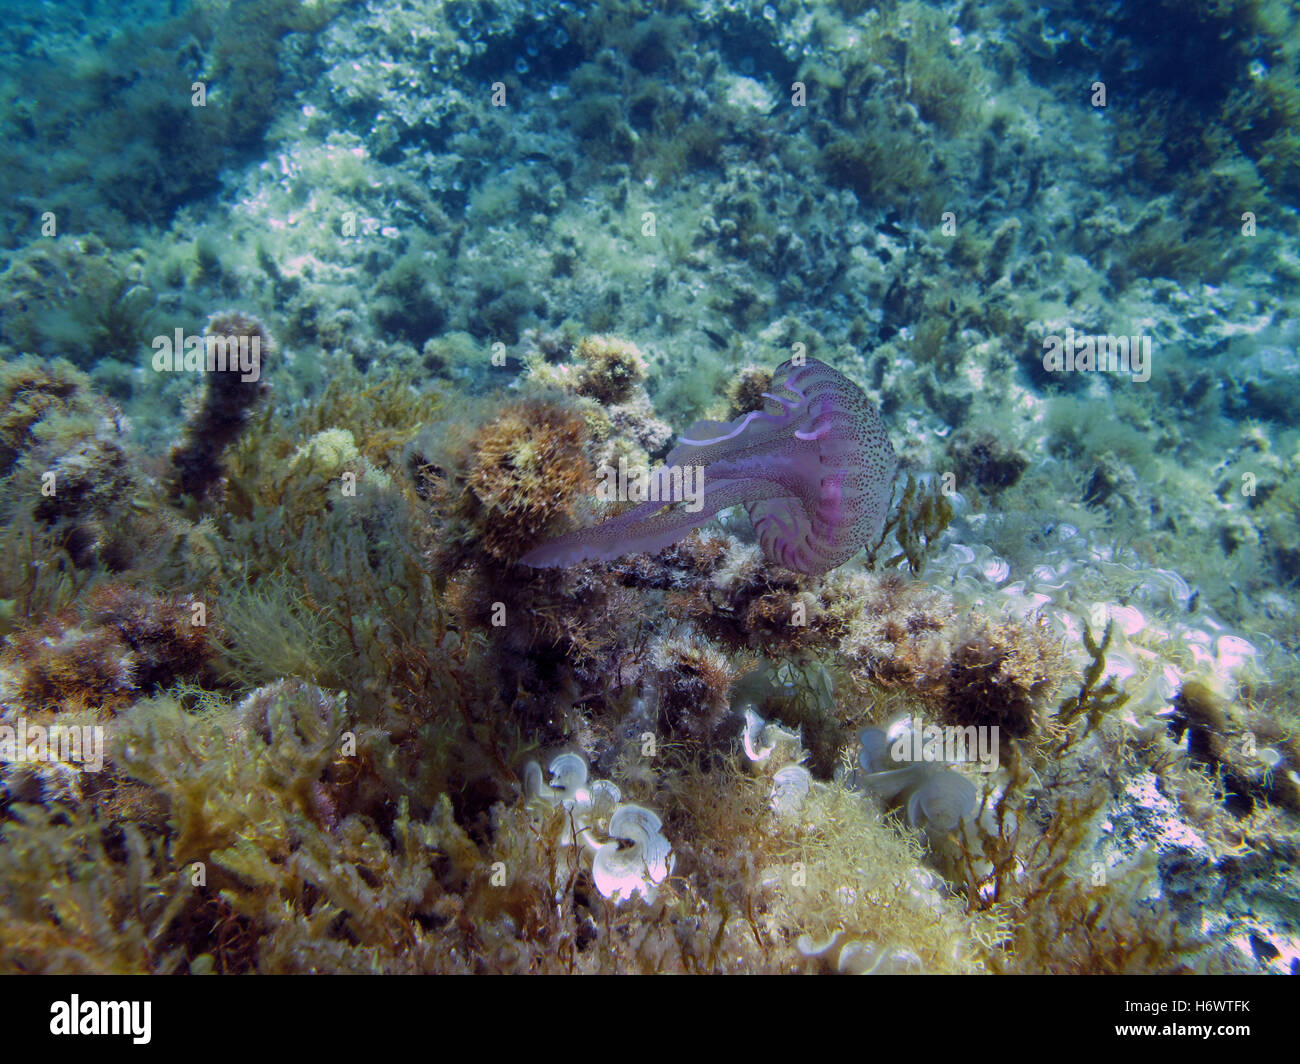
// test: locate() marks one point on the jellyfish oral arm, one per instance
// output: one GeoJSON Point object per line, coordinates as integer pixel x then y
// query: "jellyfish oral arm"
{"type": "Point", "coordinates": [648, 527]}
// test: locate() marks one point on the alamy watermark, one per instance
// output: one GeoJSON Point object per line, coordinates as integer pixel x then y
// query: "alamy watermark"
{"type": "Point", "coordinates": [1073, 353]}
{"type": "Point", "coordinates": [949, 743]}
{"type": "Point", "coordinates": [236, 353]}
{"type": "Point", "coordinates": [77, 1017]}
{"type": "Point", "coordinates": [664, 484]}
{"type": "Point", "coordinates": [75, 744]}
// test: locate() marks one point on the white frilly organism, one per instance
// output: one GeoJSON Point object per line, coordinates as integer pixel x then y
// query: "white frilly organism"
{"type": "Point", "coordinates": [630, 854]}
{"type": "Point", "coordinates": [761, 739]}
{"type": "Point", "coordinates": [623, 871]}
{"type": "Point", "coordinates": [568, 774]}
{"type": "Point", "coordinates": [934, 796]}
{"type": "Point", "coordinates": [790, 787]}
{"type": "Point", "coordinates": [856, 956]}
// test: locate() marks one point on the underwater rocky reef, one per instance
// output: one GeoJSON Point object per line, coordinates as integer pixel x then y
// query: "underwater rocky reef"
{"type": "Point", "coordinates": [333, 350]}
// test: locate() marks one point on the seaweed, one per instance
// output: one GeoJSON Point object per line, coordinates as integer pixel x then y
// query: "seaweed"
{"type": "Point", "coordinates": [921, 516]}
{"type": "Point", "coordinates": [1093, 702]}
{"type": "Point", "coordinates": [73, 904]}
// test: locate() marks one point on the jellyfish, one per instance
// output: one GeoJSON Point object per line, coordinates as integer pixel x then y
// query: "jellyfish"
{"type": "Point", "coordinates": [814, 470]}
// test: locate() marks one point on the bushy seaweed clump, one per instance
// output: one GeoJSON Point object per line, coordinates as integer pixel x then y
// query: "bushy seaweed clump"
{"type": "Point", "coordinates": [612, 368]}
{"type": "Point", "coordinates": [970, 669]}
{"type": "Point", "coordinates": [32, 391]}
{"type": "Point", "coordinates": [745, 392]}
{"type": "Point", "coordinates": [73, 297]}
{"type": "Point", "coordinates": [515, 477]}
{"type": "Point", "coordinates": [1002, 674]}
{"type": "Point", "coordinates": [122, 643]}
{"type": "Point", "coordinates": [984, 458]}
{"type": "Point", "coordinates": [73, 491]}
{"type": "Point", "coordinates": [884, 169]}
{"type": "Point", "coordinates": [694, 686]}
